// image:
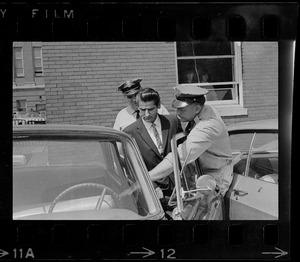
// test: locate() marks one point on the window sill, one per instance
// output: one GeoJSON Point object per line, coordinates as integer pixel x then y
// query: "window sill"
{"type": "Point", "coordinates": [30, 86]}
{"type": "Point", "coordinates": [231, 110]}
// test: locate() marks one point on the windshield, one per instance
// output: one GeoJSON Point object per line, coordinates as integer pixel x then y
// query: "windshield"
{"type": "Point", "coordinates": [76, 178]}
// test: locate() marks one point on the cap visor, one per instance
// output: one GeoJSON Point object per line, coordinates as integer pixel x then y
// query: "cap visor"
{"type": "Point", "coordinates": [179, 104]}
{"type": "Point", "coordinates": [131, 92]}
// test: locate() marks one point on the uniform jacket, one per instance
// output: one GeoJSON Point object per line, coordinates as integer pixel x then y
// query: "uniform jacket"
{"type": "Point", "coordinates": [209, 142]}
{"type": "Point", "coordinates": [170, 126]}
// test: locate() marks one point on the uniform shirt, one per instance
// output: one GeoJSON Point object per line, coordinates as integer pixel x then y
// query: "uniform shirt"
{"type": "Point", "coordinates": [209, 141]}
{"type": "Point", "coordinates": [149, 128]}
{"type": "Point", "coordinates": [127, 116]}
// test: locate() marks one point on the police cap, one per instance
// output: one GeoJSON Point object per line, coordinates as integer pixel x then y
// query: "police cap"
{"type": "Point", "coordinates": [130, 87]}
{"type": "Point", "coordinates": [187, 94]}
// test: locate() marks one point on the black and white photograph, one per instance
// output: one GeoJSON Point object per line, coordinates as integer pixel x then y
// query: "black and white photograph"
{"type": "Point", "coordinates": [145, 130]}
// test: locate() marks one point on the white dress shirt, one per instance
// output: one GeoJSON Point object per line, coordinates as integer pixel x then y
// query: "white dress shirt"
{"type": "Point", "coordinates": [149, 128]}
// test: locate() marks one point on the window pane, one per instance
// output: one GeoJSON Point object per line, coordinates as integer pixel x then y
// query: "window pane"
{"type": "Point", "coordinates": [205, 70]}
{"type": "Point", "coordinates": [18, 52]}
{"type": "Point", "coordinates": [38, 62]}
{"type": "Point", "coordinates": [264, 155]}
{"type": "Point", "coordinates": [203, 48]}
{"type": "Point", "coordinates": [19, 72]}
{"type": "Point", "coordinates": [40, 107]}
{"type": "Point", "coordinates": [37, 52]}
{"type": "Point", "coordinates": [266, 141]}
{"type": "Point", "coordinates": [79, 170]}
{"type": "Point", "coordinates": [223, 92]}
{"type": "Point", "coordinates": [264, 167]}
{"type": "Point", "coordinates": [240, 142]}
{"type": "Point", "coordinates": [37, 58]}
{"type": "Point", "coordinates": [21, 105]}
{"type": "Point", "coordinates": [19, 64]}
{"type": "Point", "coordinates": [240, 145]}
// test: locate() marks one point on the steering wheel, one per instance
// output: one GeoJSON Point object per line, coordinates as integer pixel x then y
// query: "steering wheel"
{"type": "Point", "coordinates": [89, 185]}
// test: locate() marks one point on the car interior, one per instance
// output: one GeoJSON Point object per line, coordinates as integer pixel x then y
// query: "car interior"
{"type": "Point", "coordinates": [262, 166]}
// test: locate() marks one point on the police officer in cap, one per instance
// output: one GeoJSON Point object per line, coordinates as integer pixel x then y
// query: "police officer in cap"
{"type": "Point", "coordinates": [207, 139]}
{"type": "Point", "coordinates": [130, 114]}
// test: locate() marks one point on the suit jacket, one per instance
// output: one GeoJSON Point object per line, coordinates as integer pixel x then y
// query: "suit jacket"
{"type": "Point", "coordinates": [170, 126]}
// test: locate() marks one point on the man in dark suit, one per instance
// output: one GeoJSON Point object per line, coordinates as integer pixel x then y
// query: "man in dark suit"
{"type": "Point", "coordinates": [153, 133]}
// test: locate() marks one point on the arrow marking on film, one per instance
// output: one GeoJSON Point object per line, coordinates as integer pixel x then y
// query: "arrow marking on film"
{"type": "Point", "coordinates": [146, 253]}
{"type": "Point", "coordinates": [3, 253]}
{"type": "Point", "coordinates": [279, 254]}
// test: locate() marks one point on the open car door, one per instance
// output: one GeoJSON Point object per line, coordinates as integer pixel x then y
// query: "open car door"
{"type": "Point", "coordinates": [194, 194]}
{"type": "Point", "coordinates": [253, 194]}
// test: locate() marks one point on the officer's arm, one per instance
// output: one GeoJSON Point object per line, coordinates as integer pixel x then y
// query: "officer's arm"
{"type": "Point", "coordinates": [197, 142]}
{"type": "Point", "coordinates": [193, 147]}
{"type": "Point", "coordinates": [163, 169]}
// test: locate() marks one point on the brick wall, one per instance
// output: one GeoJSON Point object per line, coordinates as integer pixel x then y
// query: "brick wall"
{"type": "Point", "coordinates": [260, 77]}
{"type": "Point", "coordinates": [81, 79]}
{"type": "Point", "coordinates": [260, 81]}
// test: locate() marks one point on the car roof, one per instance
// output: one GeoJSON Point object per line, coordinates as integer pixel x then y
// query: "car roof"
{"type": "Point", "coordinates": [57, 128]}
{"type": "Point", "coordinates": [266, 124]}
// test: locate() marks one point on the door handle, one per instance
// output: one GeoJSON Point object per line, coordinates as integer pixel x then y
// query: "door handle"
{"type": "Point", "coordinates": [238, 192]}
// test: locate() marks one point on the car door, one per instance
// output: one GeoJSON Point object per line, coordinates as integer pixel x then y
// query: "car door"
{"type": "Point", "coordinates": [253, 194]}
{"type": "Point", "coordinates": [253, 199]}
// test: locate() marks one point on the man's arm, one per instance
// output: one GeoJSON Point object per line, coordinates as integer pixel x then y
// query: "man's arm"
{"type": "Point", "coordinates": [163, 169]}
{"type": "Point", "coordinates": [193, 147]}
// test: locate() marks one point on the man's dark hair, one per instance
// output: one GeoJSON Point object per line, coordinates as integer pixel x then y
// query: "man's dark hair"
{"type": "Point", "coordinates": [147, 95]}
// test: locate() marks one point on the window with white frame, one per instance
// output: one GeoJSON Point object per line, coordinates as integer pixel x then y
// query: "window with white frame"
{"type": "Point", "coordinates": [37, 60]}
{"type": "Point", "coordinates": [214, 65]}
{"type": "Point", "coordinates": [18, 62]}
{"type": "Point", "coordinates": [21, 105]}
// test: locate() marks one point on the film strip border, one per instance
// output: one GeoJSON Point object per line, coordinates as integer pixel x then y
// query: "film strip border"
{"type": "Point", "coordinates": [138, 240]}
{"type": "Point", "coordinates": [149, 22]}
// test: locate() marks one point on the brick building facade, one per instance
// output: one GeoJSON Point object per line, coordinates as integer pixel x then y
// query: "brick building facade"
{"type": "Point", "coordinates": [28, 78]}
{"type": "Point", "coordinates": [81, 79]}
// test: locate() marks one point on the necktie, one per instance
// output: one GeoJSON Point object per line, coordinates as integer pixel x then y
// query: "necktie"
{"type": "Point", "coordinates": [137, 116]}
{"type": "Point", "coordinates": [159, 143]}
{"type": "Point", "coordinates": [189, 126]}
